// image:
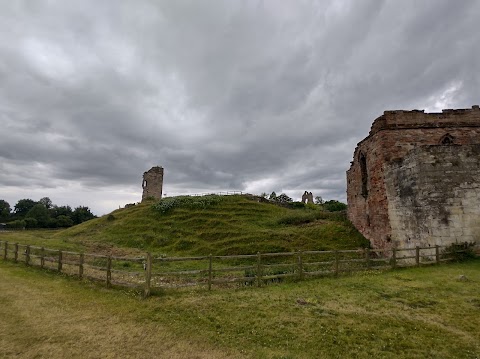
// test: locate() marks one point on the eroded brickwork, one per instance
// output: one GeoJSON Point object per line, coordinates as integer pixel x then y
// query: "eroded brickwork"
{"type": "Point", "coordinates": [152, 183]}
{"type": "Point", "coordinates": [390, 186]}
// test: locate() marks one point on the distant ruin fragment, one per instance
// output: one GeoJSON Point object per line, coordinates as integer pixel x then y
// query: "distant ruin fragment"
{"type": "Point", "coordinates": [152, 183]}
{"type": "Point", "coordinates": [307, 197]}
{"type": "Point", "coordinates": [415, 179]}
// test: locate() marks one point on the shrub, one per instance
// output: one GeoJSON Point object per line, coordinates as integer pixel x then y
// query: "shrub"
{"type": "Point", "coordinates": [167, 204]}
{"type": "Point", "coordinates": [297, 218]}
{"type": "Point", "coordinates": [30, 222]}
{"type": "Point", "coordinates": [334, 206]}
{"type": "Point", "coordinates": [18, 224]}
{"type": "Point", "coordinates": [297, 205]}
{"type": "Point", "coordinates": [459, 251]}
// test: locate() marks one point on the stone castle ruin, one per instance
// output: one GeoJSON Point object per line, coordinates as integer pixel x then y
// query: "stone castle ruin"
{"type": "Point", "coordinates": [415, 179]}
{"type": "Point", "coordinates": [307, 197]}
{"type": "Point", "coordinates": [152, 183]}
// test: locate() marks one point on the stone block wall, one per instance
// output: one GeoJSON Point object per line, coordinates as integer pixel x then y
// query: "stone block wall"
{"type": "Point", "coordinates": [394, 136]}
{"type": "Point", "coordinates": [434, 196]}
{"type": "Point", "coordinates": [152, 183]}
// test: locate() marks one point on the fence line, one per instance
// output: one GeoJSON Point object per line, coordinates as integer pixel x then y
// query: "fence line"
{"type": "Point", "coordinates": [148, 273]}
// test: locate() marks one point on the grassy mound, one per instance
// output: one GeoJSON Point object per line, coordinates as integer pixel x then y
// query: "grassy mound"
{"type": "Point", "coordinates": [220, 226]}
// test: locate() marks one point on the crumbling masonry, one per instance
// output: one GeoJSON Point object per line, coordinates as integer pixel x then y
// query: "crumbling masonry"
{"type": "Point", "coordinates": [415, 180]}
{"type": "Point", "coordinates": [152, 183]}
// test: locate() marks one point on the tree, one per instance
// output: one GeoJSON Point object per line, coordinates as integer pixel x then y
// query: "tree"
{"type": "Point", "coordinates": [273, 196]}
{"type": "Point", "coordinates": [4, 209]}
{"type": "Point", "coordinates": [81, 214]}
{"type": "Point", "coordinates": [283, 198]}
{"type": "Point", "coordinates": [319, 200]}
{"type": "Point", "coordinates": [57, 211]}
{"type": "Point", "coordinates": [23, 206]}
{"type": "Point", "coordinates": [64, 221]}
{"type": "Point", "coordinates": [47, 202]}
{"type": "Point", "coordinates": [40, 213]}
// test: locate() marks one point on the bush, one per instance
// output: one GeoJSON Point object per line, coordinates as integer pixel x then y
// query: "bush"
{"type": "Point", "coordinates": [167, 204]}
{"type": "Point", "coordinates": [64, 221]}
{"type": "Point", "coordinates": [297, 218]}
{"type": "Point", "coordinates": [30, 223]}
{"type": "Point", "coordinates": [459, 251]}
{"type": "Point", "coordinates": [297, 205]}
{"type": "Point", "coordinates": [334, 206]}
{"type": "Point", "coordinates": [18, 224]}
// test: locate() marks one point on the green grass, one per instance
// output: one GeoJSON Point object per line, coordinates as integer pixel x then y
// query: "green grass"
{"type": "Point", "coordinates": [407, 313]}
{"type": "Point", "coordinates": [234, 225]}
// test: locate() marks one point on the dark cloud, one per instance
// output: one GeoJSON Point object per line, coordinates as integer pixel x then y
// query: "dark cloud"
{"type": "Point", "coordinates": [252, 95]}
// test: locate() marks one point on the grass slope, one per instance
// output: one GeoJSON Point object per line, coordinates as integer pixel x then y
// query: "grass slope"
{"type": "Point", "coordinates": [407, 313]}
{"type": "Point", "coordinates": [236, 225]}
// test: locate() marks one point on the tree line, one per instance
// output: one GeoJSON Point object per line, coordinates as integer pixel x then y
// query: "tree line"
{"type": "Point", "coordinates": [331, 205]}
{"type": "Point", "coordinates": [28, 213]}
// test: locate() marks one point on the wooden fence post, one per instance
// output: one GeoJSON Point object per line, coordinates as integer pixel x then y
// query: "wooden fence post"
{"type": "Point", "coordinates": [27, 255]}
{"type": "Point", "coordinates": [259, 269]}
{"type": "Point", "coordinates": [210, 272]}
{"type": "Point", "coordinates": [15, 251]}
{"type": "Point", "coordinates": [148, 275]}
{"type": "Point", "coordinates": [394, 257]}
{"type": "Point", "coordinates": [437, 254]}
{"type": "Point", "coordinates": [109, 271]}
{"type": "Point", "coordinates": [417, 256]}
{"type": "Point", "coordinates": [300, 266]}
{"type": "Point", "coordinates": [42, 257]}
{"type": "Point", "coordinates": [5, 250]}
{"type": "Point", "coordinates": [80, 265]}
{"type": "Point", "coordinates": [367, 257]}
{"type": "Point", "coordinates": [60, 258]}
{"type": "Point", "coordinates": [336, 263]}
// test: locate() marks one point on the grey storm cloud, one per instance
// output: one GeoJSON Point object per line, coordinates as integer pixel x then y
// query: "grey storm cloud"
{"type": "Point", "coordinates": [252, 95]}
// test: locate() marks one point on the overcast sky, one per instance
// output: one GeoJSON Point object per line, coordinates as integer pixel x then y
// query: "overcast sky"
{"type": "Point", "coordinates": [257, 96]}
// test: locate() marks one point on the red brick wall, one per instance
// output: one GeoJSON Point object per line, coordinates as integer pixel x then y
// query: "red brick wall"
{"type": "Point", "coordinates": [392, 136]}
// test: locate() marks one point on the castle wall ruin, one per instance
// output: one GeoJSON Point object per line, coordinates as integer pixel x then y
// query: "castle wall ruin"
{"type": "Point", "coordinates": [152, 183]}
{"type": "Point", "coordinates": [415, 179]}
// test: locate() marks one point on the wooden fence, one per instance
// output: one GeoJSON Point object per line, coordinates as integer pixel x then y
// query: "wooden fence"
{"type": "Point", "coordinates": [149, 273]}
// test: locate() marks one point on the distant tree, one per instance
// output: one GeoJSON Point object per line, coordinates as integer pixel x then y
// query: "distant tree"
{"type": "Point", "coordinates": [30, 222]}
{"type": "Point", "coordinates": [40, 213]}
{"type": "Point", "coordinates": [334, 206]}
{"type": "Point", "coordinates": [47, 202]}
{"type": "Point", "coordinates": [264, 195]}
{"type": "Point", "coordinates": [23, 206]}
{"type": "Point", "coordinates": [273, 196]}
{"type": "Point", "coordinates": [57, 211]}
{"type": "Point", "coordinates": [283, 198]}
{"type": "Point", "coordinates": [4, 209]}
{"type": "Point", "coordinates": [64, 221]}
{"type": "Point", "coordinates": [319, 200]}
{"type": "Point", "coordinates": [81, 214]}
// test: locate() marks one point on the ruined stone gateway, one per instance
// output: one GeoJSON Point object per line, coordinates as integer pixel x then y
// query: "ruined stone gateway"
{"type": "Point", "coordinates": [152, 183]}
{"type": "Point", "coordinates": [415, 179]}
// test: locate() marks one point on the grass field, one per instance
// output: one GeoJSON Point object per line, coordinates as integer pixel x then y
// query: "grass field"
{"type": "Point", "coordinates": [409, 313]}
{"type": "Point", "coordinates": [236, 225]}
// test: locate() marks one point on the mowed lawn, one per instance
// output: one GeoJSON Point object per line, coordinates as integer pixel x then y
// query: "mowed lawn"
{"type": "Point", "coordinates": [431, 312]}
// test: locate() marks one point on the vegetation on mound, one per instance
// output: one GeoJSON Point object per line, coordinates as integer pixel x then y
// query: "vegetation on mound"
{"type": "Point", "coordinates": [210, 225]}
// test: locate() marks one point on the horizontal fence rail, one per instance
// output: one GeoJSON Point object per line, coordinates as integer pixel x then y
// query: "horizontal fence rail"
{"type": "Point", "coordinates": [149, 273]}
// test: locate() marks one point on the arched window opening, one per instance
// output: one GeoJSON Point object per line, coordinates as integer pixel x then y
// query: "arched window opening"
{"type": "Point", "coordinates": [364, 173]}
{"type": "Point", "coordinates": [447, 139]}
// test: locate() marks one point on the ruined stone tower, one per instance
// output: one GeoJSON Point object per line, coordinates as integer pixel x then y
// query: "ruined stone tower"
{"type": "Point", "coordinates": [152, 183]}
{"type": "Point", "coordinates": [415, 179]}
